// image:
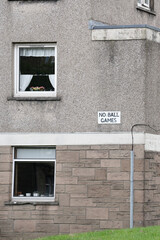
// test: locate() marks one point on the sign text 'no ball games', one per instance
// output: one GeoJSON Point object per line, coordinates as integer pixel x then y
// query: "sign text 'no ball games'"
{"type": "Point", "coordinates": [109, 117]}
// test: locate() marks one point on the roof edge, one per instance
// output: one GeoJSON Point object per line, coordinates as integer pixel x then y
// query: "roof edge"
{"type": "Point", "coordinates": [99, 25]}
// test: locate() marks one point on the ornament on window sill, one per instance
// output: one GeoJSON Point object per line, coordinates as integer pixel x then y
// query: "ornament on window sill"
{"type": "Point", "coordinates": [37, 88]}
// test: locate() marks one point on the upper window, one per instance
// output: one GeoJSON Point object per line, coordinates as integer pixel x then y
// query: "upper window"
{"type": "Point", "coordinates": [35, 70]}
{"type": "Point", "coordinates": [33, 174]}
{"type": "Point", "coordinates": [144, 3]}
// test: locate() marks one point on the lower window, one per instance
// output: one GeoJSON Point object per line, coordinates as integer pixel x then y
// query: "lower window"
{"type": "Point", "coordinates": [33, 174]}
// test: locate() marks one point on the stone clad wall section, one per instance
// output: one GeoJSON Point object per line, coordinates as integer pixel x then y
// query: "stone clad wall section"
{"type": "Point", "coordinates": [6, 221]}
{"type": "Point", "coordinates": [92, 191]}
{"type": "Point", "coordinates": [152, 189]}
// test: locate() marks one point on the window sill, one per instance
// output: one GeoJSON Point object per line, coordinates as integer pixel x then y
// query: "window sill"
{"type": "Point", "coordinates": [11, 203]}
{"type": "Point", "coordinates": [34, 98]}
{"type": "Point", "coordinates": [146, 10]}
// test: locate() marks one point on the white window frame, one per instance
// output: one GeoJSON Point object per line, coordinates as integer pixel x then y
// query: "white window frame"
{"type": "Point", "coordinates": [17, 92]}
{"type": "Point", "coordinates": [32, 198]}
{"type": "Point", "coordinates": [142, 3]}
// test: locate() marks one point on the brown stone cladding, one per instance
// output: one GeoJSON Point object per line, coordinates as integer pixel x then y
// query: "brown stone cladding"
{"type": "Point", "coordinates": [92, 193]}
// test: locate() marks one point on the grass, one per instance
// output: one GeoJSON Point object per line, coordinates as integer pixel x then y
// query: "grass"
{"type": "Point", "coordinates": [148, 233]}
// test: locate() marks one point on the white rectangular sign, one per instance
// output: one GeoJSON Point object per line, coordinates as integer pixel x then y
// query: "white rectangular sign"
{"type": "Point", "coordinates": [109, 117]}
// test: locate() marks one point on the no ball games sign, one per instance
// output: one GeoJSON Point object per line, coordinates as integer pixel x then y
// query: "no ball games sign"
{"type": "Point", "coordinates": [109, 117]}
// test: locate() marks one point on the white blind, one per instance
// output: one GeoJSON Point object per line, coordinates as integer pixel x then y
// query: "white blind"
{"type": "Point", "coordinates": [36, 153]}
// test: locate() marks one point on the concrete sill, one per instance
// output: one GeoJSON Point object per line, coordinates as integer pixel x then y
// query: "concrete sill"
{"type": "Point", "coordinates": [33, 98]}
{"type": "Point", "coordinates": [146, 10]}
{"type": "Point", "coordinates": [11, 203]}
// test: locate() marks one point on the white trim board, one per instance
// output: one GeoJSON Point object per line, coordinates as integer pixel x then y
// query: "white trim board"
{"type": "Point", "coordinates": [43, 139]}
{"type": "Point", "coordinates": [151, 141]}
{"type": "Point", "coordinates": [125, 34]}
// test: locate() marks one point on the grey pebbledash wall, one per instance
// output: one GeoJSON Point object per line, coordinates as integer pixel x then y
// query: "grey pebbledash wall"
{"type": "Point", "coordinates": [92, 193]}
{"type": "Point", "coordinates": [91, 76]}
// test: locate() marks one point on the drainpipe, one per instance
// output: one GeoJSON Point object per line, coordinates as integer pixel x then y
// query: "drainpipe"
{"type": "Point", "coordinates": [132, 171]}
{"type": "Point", "coordinates": [131, 188]}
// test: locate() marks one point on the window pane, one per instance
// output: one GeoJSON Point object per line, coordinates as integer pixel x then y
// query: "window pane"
{"type": "Point", "coordinates": [34, 179]}
{"type": "Point", "coordinates": [37, 65]}
{"type": "Point", "coordinates": [37, 60]}
{"type": "Point", "coordinates": [36, 69]}
{"type": "Point", "coordinates": [35, 153]}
